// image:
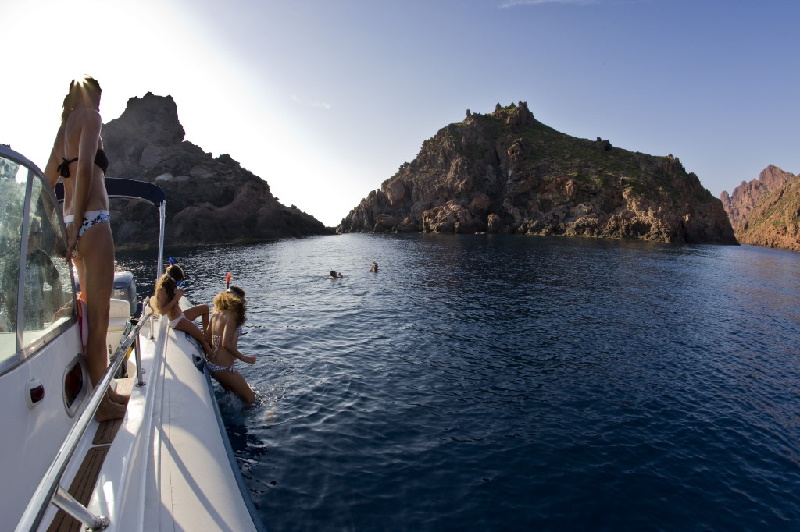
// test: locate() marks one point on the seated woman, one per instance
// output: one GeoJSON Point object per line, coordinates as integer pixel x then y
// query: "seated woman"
{"type": "Point", "coordinates": [223, 334]}
{"type": "Point", "coordinates": [167, 301]}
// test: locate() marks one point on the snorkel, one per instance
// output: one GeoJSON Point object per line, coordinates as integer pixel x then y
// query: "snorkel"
{"type": "Point", "coordinates": [180, 283]}
{"type": "Point", "coordinates": [228, 281]}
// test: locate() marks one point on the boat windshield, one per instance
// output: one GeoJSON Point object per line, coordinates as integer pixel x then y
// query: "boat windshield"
{"type": "Point", "coordinates": [36, 294]}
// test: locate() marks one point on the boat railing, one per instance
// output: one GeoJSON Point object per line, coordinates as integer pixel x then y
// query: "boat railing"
{"type": "Point", "coordinates": [49, 489]}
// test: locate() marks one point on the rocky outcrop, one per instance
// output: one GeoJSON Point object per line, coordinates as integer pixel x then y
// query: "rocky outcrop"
{"type": "Point", "coordinates": [209, 200]}
{"type": "Point", "coordinates": [748, 195]}
{"type": "Point", "coordinates": [505, 172]}
{"type": "Point", "coordinates": [766, 211]}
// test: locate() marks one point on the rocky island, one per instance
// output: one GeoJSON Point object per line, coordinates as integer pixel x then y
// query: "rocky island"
{"type": "Point", "coordinates": [766, 211]}
{"type": "Point", "coordinates": [506, 172]}
{"type": "Point", "coordinates": [209, 200]}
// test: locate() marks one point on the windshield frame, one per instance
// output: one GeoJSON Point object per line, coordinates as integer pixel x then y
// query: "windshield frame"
{"type": "Point", "coordinates": [26, 348]}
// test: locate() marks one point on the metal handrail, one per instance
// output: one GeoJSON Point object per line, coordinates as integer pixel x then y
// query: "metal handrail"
{"type": "Point", "coordinates": [49, 489]}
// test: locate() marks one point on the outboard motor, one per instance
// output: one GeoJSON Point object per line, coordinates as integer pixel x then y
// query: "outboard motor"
{"type": "Point", "coordinates": [125, 288]}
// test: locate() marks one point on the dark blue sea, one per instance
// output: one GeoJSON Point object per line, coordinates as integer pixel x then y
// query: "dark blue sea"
{"type": "Point", "coordinates": [483, 382]}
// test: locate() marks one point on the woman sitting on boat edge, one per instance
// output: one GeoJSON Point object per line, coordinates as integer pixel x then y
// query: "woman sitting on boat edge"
{"type": "Point", "coordinates": [227, 318]}
{"type": "Point", "coordinates": [167, 298]}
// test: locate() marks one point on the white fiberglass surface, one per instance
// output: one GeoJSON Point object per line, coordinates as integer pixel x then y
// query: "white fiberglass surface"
{"type": "Point", "coordinates": [33, 432]}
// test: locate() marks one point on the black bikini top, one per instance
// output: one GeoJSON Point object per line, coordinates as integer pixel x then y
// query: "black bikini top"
{"type": "Point", "coordinates": [100, 159]}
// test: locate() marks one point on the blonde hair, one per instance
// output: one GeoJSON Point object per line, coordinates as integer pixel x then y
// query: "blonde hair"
{"type": "Point", "coordinates": [232, 299]}
{"type": "Point", "coordinates": [76, 90]}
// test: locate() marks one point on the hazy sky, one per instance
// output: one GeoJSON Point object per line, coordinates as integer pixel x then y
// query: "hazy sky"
{"type": "Point", "coordinates": [325, 99]}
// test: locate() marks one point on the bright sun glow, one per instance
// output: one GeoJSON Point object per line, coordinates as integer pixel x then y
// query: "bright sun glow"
{"type": "Point", "coordinates": [224, 106]}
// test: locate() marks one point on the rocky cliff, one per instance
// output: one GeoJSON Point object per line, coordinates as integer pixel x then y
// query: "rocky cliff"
{"type": "Point", "coordinates": [505, 172]}
{"type": "Point", "coordinates": [766, 211]}
{"type": "Point", "coordinates": [209, 200]}
{"type": "Point", "coordinates": [747, 196]}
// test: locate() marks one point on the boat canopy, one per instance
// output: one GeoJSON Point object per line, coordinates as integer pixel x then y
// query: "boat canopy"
{"type": "Point", "coordinates": [127, 189]}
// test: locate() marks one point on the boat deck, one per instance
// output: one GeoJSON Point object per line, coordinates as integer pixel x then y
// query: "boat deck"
{"type": "Point", "coordinates": [165, 466]}
{"type": "Point", "coordinates": [86, 478]}
{"type": "Point", "coordinates": [190, 442]}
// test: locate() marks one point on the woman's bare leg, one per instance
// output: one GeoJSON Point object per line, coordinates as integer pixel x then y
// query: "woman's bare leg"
{"type": "Point", "coordinates": [96, 274]}
{"type": "Point", "coordinates": [197, 311]}
{"type": "Point", "coordinates": [190, 328]}
{"type": "Point", "coordinates": [233, 381]}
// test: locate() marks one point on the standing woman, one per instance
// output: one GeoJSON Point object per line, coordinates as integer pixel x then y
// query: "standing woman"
{"type": "Point", "coordinates": [78, 158]}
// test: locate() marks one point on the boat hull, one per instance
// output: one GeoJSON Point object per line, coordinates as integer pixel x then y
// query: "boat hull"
{"type": "Point", "coordinates": [34, 433]}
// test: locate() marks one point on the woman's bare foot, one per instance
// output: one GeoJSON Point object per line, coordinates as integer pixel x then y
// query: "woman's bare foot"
{"type": "Point", "coordinates": [118, 398]}
{"type": "Point", "coordinates": [109, 410]}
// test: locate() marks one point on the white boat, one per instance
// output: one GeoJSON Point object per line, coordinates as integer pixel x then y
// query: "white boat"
{"type": "Point", "coordinates": [168, 464]}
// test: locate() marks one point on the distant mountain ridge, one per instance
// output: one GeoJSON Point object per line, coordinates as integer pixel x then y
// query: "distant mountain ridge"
{"type": "Point", "coordinates": [209, 200]}
{"type": "Point", "coordinates": [766, 211]}
{"type": "Point", "coordinates": [505, 172]}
